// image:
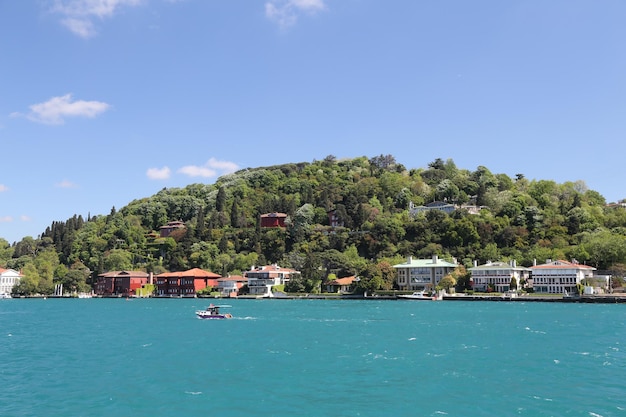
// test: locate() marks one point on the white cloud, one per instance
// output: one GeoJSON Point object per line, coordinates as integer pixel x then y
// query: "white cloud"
{"type": "Point", "coordinates": [6, 219]}
{"type": "Point", "coordinates": [285, 12]}
{"type": "Point", "coordinates": [65, 184]}
{"type": "Point", "coordinates": [55, 110]}
{"type": "Point", "coordinates": [225, 166]}
{"type": "Point", "coordinates": [3, 188]}
{"type": "Point", "coordinates": [78, 15]}
{"type": "Point", "coordinates": [158, 173]}
{"type": "Point", "coordinates": [212, 168]}
{"type": "Point", "coordinates": [196, 171]}
{"type": "Point", "coordinates": [25, 218]}
{"type": "Point", "coordinates": [81, 27]}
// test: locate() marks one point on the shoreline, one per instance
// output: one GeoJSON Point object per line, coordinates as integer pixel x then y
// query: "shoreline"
{"type": "Point", "coordinates": [585, 299]}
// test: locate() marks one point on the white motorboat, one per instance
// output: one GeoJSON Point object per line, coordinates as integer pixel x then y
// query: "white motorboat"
{"type": "Point", "coordinates": [418, 295]}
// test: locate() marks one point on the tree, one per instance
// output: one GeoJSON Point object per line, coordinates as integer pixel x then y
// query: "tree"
{"type": "Point", "coordinates": [220, 201]}
{"type": "Point", "coordinates": [75, 281]}
{"type": "Point", "coordinates": [447, 282]}
{"type": "Point", "coordinates": [118, 260]}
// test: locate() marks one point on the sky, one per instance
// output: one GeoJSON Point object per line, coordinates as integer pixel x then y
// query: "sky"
{"type": "Point", "coordinates": [103, 102]}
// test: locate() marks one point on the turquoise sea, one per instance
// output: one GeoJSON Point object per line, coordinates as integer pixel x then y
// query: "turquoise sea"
{"type": "Point", "coordinates": [153, 357]}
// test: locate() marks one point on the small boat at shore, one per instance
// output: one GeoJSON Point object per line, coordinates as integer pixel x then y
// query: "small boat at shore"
{"type": "Point", "coordinates": [418, 295]}
{"type": "Point", "coordinates": [213, 312]}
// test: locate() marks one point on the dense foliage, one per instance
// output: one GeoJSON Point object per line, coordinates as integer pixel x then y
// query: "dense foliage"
{"type": "Point", "coordinates": [520, 219]}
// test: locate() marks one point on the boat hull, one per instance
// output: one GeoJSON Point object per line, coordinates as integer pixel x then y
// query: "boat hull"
{"type": "Point", "coordinates": [207, 316]}
{"type": "Point", "coordinates": [417, 297]}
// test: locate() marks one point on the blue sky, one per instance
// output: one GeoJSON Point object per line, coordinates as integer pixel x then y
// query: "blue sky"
{"type": "Point", "coordinates": [107, 101]}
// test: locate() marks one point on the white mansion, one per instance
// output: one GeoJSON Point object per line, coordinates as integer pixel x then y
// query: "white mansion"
{"type": "Point", "coordinates": [422, 274]}
{"type": "Point", "coordinates": [261, 279]}
{"type": "Point", "coordinates": [498, 276]}
{"type": "Point", "coordinates": [552, 277]}
{"type": "Point", "coordinates": [559, 277]}
{"type": "Point", "coordinates": [8, 279]}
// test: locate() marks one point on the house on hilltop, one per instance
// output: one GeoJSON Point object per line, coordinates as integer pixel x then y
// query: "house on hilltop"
{"type": "Point", "coordinates": [273, 220]}
{"type": "Point", "coordinates": [443, 207]}
{"type": "Point", "coordinates": [435, 205]}
{"type": "Point", "coordinates": [167, 230]}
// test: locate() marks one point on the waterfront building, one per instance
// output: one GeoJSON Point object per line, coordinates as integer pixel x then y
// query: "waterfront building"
{"type": "Point", "coordinates": [498, 276]}
{"type": "Point", "coordinates": [120, 283]}
{"type": "Point", "coordinates": [229, 286]}
{"type": "Point", "coordinates": [185, 283]}
{"type": "Point", "coordinates": [261, 279]}
{"type": "Point", "coordinates": [422, 274]}
{"type": "Point", "coordinates": [559, 277]}
{"type": "Point", "coordinates": [9, 278]}
{"type": "Point", "coordinates": [341, 285]}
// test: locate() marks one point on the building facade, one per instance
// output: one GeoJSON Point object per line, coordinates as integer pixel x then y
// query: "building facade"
{"type": "Point", "coordinates": [9, 278]}
{"type": "Point", "coordinates": [422, 274]}
{"type": "Point", "coordinates": [262, 279]}
{"type": "Point", "coordinates": [165, 231]}
{"type": "Point", "coordinates": [229, 286]}
{"type": "Point", "coordinates": [120, 283]}
{"type": "Point", "coordinates": [497, 276]}
{"type": "Point", "coordinates": [341, 285]}
{"type": "Point", "coordinates": [559, 277]}
{"type": "Point", "coordinates": [273, 220]}
{"type": "Point", "coordinates": [185, 283]}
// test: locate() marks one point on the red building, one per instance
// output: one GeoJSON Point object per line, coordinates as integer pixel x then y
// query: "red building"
{"type": "Point", "coordinates": [120, 283]}
{"type": "Point", "coordinates": [333, 219]}
{"type": "Point", "coordinates": [185, 283]}
{"type": "Point", "coordinates": [273, 220]}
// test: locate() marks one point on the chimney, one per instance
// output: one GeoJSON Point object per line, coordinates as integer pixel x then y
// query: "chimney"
{"type": "Point", "coordinates": [150, 279]}
{"type": "Point", "coordinates": [435, 259]}
{"type": "Point", "coordinates": [409, 259]}
{"type": "Point", "coordinates": [475, 263]}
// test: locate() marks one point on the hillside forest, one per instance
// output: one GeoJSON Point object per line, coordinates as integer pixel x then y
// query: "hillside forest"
{"type": "Point", "coordinates": [519, 219]}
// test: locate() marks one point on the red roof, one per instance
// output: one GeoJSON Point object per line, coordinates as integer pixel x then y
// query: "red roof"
{"type": "Point", "coordinates": [343, 281]}
{"type": "Point", "coordinates": [194, 272]}
{"type": "Point", "coordinates": [134, 274]}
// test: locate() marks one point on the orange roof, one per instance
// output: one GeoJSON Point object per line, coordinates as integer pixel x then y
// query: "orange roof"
{"type": "Point", "coordinates": [343, 281]}
{"type": "Point", "coordinates": [194, 272]}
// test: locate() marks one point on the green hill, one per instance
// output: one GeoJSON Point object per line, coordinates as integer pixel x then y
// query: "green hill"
{"type": "Point", "coordinates": [509, 218]}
